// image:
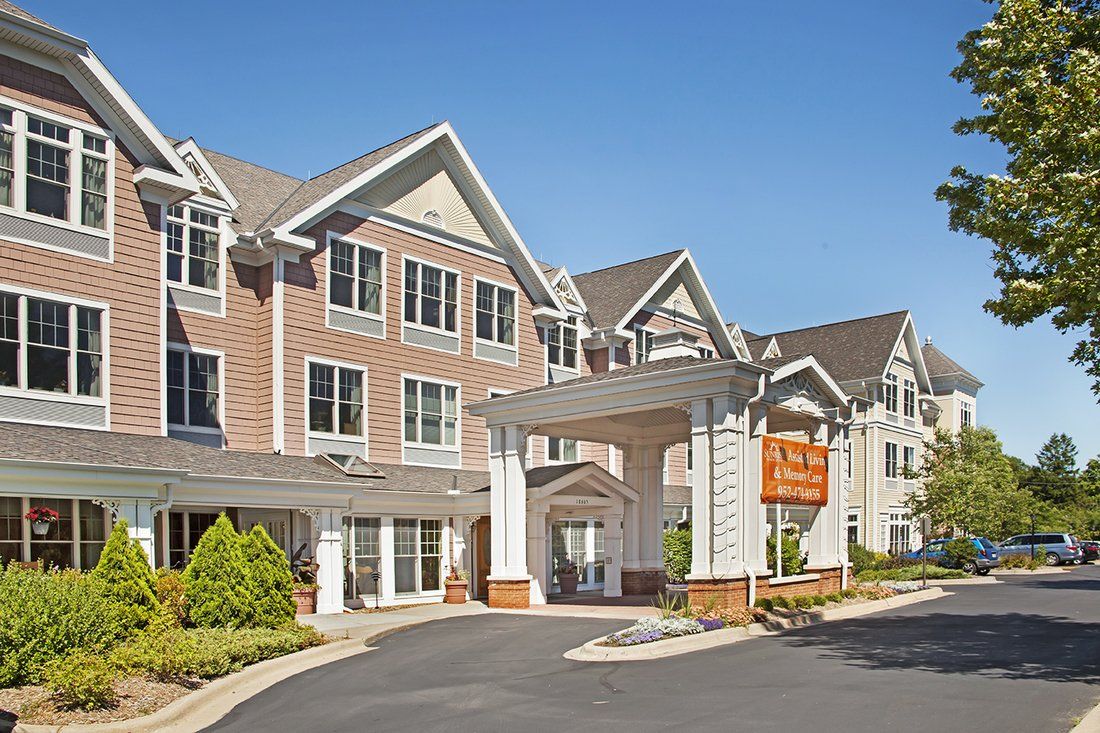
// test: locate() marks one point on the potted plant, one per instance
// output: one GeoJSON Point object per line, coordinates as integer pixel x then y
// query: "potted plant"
{"type": "Point", "coordinates": [456, 583]}
{"type": "Point", "coordinates": [305, 598]}
{"type": "Point", "coordinates": [567, 576]}
{"type": "Point", "coordinates": [41, 519]}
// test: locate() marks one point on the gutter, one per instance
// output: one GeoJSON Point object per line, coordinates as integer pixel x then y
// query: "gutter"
{"type": "Point", "coordinates": [760, 388]}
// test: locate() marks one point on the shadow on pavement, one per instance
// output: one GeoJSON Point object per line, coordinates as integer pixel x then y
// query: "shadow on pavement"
{"type": "Point", "coordinates": [1005, 645]}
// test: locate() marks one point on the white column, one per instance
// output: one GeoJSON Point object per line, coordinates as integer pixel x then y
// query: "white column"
{"type": "Point", "coordinates": [139, 525]}
{"type": "Point", "coordinates": [726, 487]}
{"type": "Point", "coordinates": [651, 535]}
{"type": "Point", "coordinates": [385, 560]}
{"type": "Point", "coordinates": [329, 558]}
{"type": "Point", "coordinates": [536, 554]}
{"type": "Point", "coordinates": [701, 473]}
{"type": "Point", "coordinates": [613, 555]}
{"type": "Point", "coordinates": [508, 503]}
{"type": "Point", "coordinates": [632, 512]}
{"type": "Point", "coordinates": [753, 514]}
{"type": "Point", "coordinates": [824, 550]}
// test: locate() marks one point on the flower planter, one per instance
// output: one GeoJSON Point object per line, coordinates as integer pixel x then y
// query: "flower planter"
{"type": "Point", "coordinates": [567, 583]}
{"type": "Point", "coordinates": [456, 592]}
{"type": "Point", "coordinates": [41, 528]}
{"type": "Point", "coordinates": [305, 599]}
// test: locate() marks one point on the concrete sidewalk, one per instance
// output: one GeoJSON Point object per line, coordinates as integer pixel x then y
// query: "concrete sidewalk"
{"type": "Point", "coordinates": [366, 625]}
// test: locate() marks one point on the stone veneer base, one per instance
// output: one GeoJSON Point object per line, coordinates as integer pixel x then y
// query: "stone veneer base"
{"type": "Point", "coordinates": [509, 593]}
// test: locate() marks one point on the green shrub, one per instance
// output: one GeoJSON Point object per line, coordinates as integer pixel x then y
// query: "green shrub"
{"type": "Point", "coordinates": [1021, 562]}
{"type": "Point", "coordinates": [81, 680]}
{"type": "Point", "coordinates": [835, 597]}
{"type": "Point", "coordinates": [124, 568]}
{"type": "Point", "coordinates": [765, 603]}
{"type": "Point", "coordinates": [270, 580]}
{"type": "Point", "coordinates": [781, 602]}
{"type": "Point", "coordinates": [677, 554]}
{"type": "Point", "coordinates": [958, 552]}
{"type": "Point", "coordinates": [820, 600]}
{"type": "Point", "coordinates": [44, 616]}
{"type": "Point", "coordinates": [910, 572]}
{"type": "Point", "coordinates": [171, 594]}
{"type": "Point", "coordinates": [849, 593]}
{"type": "Point", "coordinates": [792, 559]}
{"type": "Point", "coordinates": [861, 558]}
{"type": "Point", "coordinates": [216, 580]}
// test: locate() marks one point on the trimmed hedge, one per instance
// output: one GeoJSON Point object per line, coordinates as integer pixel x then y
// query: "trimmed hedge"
{"type": "Point", "coordinates": [910, 572]}
{"type": "Point", "coordinates": [677, 554]}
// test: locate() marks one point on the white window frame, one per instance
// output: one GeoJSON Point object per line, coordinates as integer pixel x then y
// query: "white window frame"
{"type": "Point", "coordinates": [405, 321]}
{"type": "Point", "coordinates": [165, 525]}
{"type": "Point", "coordinates": [420, 558]}
{"type": "Point", "coordinates": [908, 459]}
{"type": "Point", "coordinates": [105, 340]}
{"type": "Point", "coordinates": [890, 460]}
{"type": "Point", "coordinates": [559, 461]}
{"type": "Point", "coordinates": [75, 147]}
{"type": "Point", "coordinates": [705, 352]}
{"type": "Point", "coordinates": [900, 520]}
{"type": "Point", "coordinates": [514, 346]}
{"type": "Point", "coordinates": [457, 447]}
{"type": "Point", "coordinates": [186, 223]}
{"type": "Point", "coordinates": [854, 523]}
{"type": "Point", "coordinates": [639, 339]}
{"type": "Point", "coordinates": [890, 394]}
{"type": "Point", "coordinates": [966, 415]}
{"type": "Point", "coordinates": [331, 307]}
{"type": "Point", "coordinates": [689, 463]}
{"type": "Point", "coordinates": [909, 398]}
{"type": "Point", "coordinates": [558, 329]}
{"type": "Point", "coordinates": [27, 538]}
{"type": "Point", "coordinates": [185, 427]}
{"type": "Point", "coordinates": [350, 439]}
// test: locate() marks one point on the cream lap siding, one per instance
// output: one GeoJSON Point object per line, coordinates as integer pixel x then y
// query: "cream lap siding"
{"type": "Point", "coordinates": [131, 285]}
{"type": "Point", "coordinates": [386, 360]}
{"type": "Point", "coordinates": [674, 296]}
{"type": "Point", "coordinates": [656, 322]}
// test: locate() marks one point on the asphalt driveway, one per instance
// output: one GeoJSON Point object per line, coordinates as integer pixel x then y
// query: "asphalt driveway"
{"type": "Point", "coordinates": [1023, 655]}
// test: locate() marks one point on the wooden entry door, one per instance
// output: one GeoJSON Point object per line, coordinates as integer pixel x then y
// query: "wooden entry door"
{"type": "Point", "coordinates": [483, 535]}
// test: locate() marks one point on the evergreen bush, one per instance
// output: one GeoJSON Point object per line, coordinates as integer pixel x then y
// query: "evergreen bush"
{"type": "Point", "coordinates": [81, 680]}
{"type": "Point", "coordinates": [270, 580]}
{"type": "Point", "coordinates": [172, 596]}
{"type": "Point", "coordinates": [124, 569]}
{"type": "Point", "coordinates": [216, 580]}
{"type": "Point", "coordinates": [677, 554]}
{"type": "Point", "coordinates": [861, 558]}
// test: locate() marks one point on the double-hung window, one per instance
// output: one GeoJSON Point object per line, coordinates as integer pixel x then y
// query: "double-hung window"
{"type": "Point", "coordinates": [335, 400]}
{"type": "Point", "coordinates": [643, 344]}
{"type": "Point", "coordinates": [50, 346]}
{"type": "Point", "coordinates": [909, 398]}
{"type": "Point", "coordinates": [909, 458]}
{"type": "Point", "coordinates": [853, 528]}
{"type": "Point", "coordinates": [966, 415]}
{"type": "Point", "coordinates": [194, 392]}
{"type": "Point", "coordinates": [561, 450]}
{"type": "Point", "coordinates": [495, 313]}
{"type": "Point", "coordinates": [355, 277]}
{"type": "Point", "coordinates": [417, 555]}
{"type": "Point", "coordinates": [890, 393]}
{"type": "Point", "coordinates": [431, 296]}
{"type": "Point", "coordinates": [48, 170]}
{"type": "Point", "coordinates": [194, 257]}
{"type": "Point", "coordinates": [431, 413]}
{"type": "Point", "coordinates": [891, 462]}
{"type": "Point", "coordinates": [561, 344]}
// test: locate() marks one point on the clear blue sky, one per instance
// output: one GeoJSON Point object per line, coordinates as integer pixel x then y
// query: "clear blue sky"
{"type": "Point", "coordinates": [793, 147]}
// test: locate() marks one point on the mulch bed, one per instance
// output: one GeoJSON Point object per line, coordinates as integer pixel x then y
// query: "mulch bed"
{"type": "Point", "coordinates": [137, 696]}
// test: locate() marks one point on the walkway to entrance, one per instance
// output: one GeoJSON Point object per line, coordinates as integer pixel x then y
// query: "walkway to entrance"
{"type": "Point", "coordinates": [594, 604]}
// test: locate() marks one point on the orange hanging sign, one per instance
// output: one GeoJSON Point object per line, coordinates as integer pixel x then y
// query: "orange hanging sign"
{"type": "Point", "coordinates": [795, 473]}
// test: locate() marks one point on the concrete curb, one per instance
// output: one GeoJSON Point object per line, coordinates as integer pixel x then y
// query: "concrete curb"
{"type": "Point", "coordinates": [592, 652]}
{"type": "Point", "coordinates": [211, 703]}
{"type": "Point", "coordinates": [1090, 723]}
{"type": "Point", "coordinates": [1037, 571]}
{"type": "Point", "coordinates": [980, 580]}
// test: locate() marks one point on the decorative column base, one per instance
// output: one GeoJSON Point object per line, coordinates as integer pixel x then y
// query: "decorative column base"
{"type": "Point", "coordinates": [719, 592]}
{"type": "Point", "coordinates": [641, 582]}
{"type": "Point", "coordinates": [510, 593]}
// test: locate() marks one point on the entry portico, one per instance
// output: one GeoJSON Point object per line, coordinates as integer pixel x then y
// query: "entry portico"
{"type": "Point", "coordinates": [724, 408]}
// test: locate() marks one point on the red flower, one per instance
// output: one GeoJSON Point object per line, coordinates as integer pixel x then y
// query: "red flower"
{"type": "Point", "coordinates": [42, 514]}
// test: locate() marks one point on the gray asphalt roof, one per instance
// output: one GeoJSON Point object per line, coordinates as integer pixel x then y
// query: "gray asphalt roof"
{"type": "Point", "coordinates": [940, 364]}
{"type": "Point", "coordinates": [650, 367]}
{"type": "Point", "coordinates": [612, 292]}
{"type": "Point", "coordinates": [258, 190]}
{"type": "Point", "coordinates": [848, 350]}
{"type": "Point", "coordinates": [16, 10]}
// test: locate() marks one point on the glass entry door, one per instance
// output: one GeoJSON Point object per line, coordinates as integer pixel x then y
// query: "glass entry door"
{"type": "Point", "coordinates": [579, 540]}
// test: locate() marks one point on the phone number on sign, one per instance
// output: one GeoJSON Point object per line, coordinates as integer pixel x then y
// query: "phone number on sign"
{"type": "Point", "coordinates": [797, 493]}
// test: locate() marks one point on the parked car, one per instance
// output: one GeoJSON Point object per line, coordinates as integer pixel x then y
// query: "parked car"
{"type": "Point", "coordinates": [1059, 548]}
{"type": "Point", "coordinates": [988, 557]}
{"type": "Point", "coordinates": [1090, 549]}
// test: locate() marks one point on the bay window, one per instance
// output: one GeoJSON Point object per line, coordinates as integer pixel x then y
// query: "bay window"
{"type": "Point", "coordinates": [561, 344]}
{"type": "Point", "coordinates": [431, 296]}
{"type": "Point", "coordinates": [495, 313]}
{"type": "Point", "coordinates": [194, 389]}
{"type": "Point", "coordinates": [194, 255]}
{"type": "Point", "coordinates": [355, 277]}
{"type": "Point", "coordinates": [50, 346]}
{"type": "Point", "coordinates": [418, 555]}
{"type": "Point", "coordinates": [431, 413]}
{"type": "Point", "coordinates": [335, 400]}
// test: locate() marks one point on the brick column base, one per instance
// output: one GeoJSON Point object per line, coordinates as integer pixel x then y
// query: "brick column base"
{"type": "Point", "coordinates": [509, 593]}
{"type": "Point", "coordinates": [719, 592]}
{"type": "Point", "coordinates": [643, 582]}
{"type": "Point", "coordinates": [829, 582]}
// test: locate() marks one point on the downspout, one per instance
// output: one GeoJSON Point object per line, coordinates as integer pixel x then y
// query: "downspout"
{"type": "Point", "coordinates": [748, 569]}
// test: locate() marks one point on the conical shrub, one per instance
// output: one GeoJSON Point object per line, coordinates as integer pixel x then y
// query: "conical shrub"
{"type": "Point", "coordinates": [124, 567]}
{"type": "Point", "coordinates": [216, 580]}
{"type": "Point", "coordinates": [270, 580]}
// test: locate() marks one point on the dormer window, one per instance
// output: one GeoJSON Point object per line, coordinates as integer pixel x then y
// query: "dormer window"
{"type": "Point", "coordinates": [432, 217]}
{"type": "Point", "coordinates": [561, 344]}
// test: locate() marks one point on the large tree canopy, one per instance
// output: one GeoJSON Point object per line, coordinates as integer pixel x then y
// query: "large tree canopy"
{"type": "Point", "coordinates": [1036, 68]}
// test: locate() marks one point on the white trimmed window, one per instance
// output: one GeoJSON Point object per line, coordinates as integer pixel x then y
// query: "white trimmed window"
{"type": "Point", "coordinates": [355, 276]}
{"type": "Point", "coordinates": [561, 344]}
{"type": "Point", "coordinates": [966, 415]}
{"type": "Point", "coordinates": [690, 461]}
{"type": "Point", "coordinates": [909, 457]}
{"type": "Point", "coordinates": [194, 256]}
{"type": "Point", "coordinates": [706, 352]}
{"type": "Point", "coordinates": [494, 313]}
{"type": "Point", "coordinates": [909, 398]}
{"type": "Point", "coordinates": [891, 462]}
{"type": "Point", "coordinates": [335, 400]}
{"type": "Point", "coordinates": [194, 389]}
{"type": "Point", "coordinates": [431, 413]}
{"type": "Point", "coordinates": [890, 393]}
{"type": "Point", "coordinates": [417, 555]}
{"type": "Point", "coordinates": [898, 529]}
{"type": "Point", "coordinates": [50, 346]}
{"type": "Point", "coordinates": [561, 450]}
{"type": "Point", "coordinates": [853, 528]}
{"type": "Point", "coordinates": [75, 540]}
{"type": "Point", "coordinates": [54, 170]}
{"type": "Point", "coordinates": [363, 536]}
{"type": "Point", "coordinates": [643, 344]}
{"type": "Point", "coordinates": [431, 296]}
{"type": "Point", "coordinates": [185, 529]}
